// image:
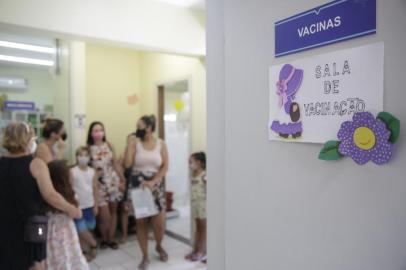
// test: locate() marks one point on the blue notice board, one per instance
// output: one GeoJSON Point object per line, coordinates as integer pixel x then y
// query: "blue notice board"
{"type": "Point", "coordinates": [330, 23]}
{"type": "Point", "coordinates": [19, 105]}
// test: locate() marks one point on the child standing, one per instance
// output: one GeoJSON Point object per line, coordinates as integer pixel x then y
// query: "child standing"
{"type": "Point", "coordinates": [197, 164]}
{"type": "Point", "coordinates": [85, 185]}
{"type": "Point", "coordinates": [63, 248]}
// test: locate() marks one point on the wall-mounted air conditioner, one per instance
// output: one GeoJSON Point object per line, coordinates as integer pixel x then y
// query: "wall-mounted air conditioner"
{"type": "Point", "coordinates": [13, 83]}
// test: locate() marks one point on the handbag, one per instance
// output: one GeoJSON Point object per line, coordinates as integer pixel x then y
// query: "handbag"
{"type": "Point", "coordinates": [36, 229]}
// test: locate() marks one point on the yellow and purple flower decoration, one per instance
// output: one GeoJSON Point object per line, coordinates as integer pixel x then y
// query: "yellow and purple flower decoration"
{"type": "Point", "coordinates": [364, 138]}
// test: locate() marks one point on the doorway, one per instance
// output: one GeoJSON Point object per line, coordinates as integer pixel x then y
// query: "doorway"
{"type": "Point", "coordinates": [174, 122]}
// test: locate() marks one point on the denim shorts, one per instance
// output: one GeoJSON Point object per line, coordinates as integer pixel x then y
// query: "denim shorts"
{"type": "Point", "coordinates": [87, 222]}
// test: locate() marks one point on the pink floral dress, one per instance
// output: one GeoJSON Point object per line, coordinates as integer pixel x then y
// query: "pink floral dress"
{"type": "Point", "coordinates": [63, 247]}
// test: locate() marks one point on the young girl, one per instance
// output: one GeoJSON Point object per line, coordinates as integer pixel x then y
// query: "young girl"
{"type": "Point", "coordinates": [86, 189]}
{"type": "Point", "coordinates": [197, 164]}
{"type": "Point", "coordinates": [63, 248]}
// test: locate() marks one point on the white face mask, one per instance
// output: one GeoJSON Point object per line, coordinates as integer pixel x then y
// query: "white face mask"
{"type": "Point", "coordinates": [33, 147]}
{"type": "Point", "coordinates": [83, 161]}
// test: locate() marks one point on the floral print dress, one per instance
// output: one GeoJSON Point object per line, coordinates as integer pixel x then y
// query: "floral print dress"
{"type": "Point", "coordinates": [63, 247]}
{"type": "Point", "coordinates": [198, 195]}
{"type": "Point", "coordinates": [102, 157]}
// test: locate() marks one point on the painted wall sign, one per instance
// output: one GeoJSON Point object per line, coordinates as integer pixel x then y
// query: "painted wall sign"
{"type": "Point", "coordinates": [311, 97]}
{"type": "Point", "coordinates": [330, 23]}
{"type": "Point", "coordinates": [19, 105]}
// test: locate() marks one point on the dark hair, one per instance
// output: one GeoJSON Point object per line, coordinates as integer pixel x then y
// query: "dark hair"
{"type": "Point", "coordinates": [51, 126]}
{"type": "Point", "coordinates": [59, 171]}
{"type": "Point", "coordinates": [90, 140]}
{"type": "Point", "coordinates": [294, 115]}
{"type": "Point", "coordinates": [149, 121]}
{"type": "Point", "coordinates": [200, 156]}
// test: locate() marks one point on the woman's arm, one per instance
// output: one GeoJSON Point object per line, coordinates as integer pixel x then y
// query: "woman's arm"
{"type": "Point", "coordinates": [97, 174]}
{"type": "Point", "coordinates": [165, 165]}
{"type": "Point", "coordinates": [117, 167]}
{"type": "Point", "coordinates": [44, 153]}
{"type": "Point", "coordinates": [130, 151]}
{"type": "Point", "coordinates": [40, 172]}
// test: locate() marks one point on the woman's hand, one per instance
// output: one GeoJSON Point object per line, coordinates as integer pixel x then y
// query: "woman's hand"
{"type": "Point", "coordinates": [121, 186]}
{"type": "Point", "coordinates": [95, 210]}
{"type": "Point", "coordinates": [75, 212]}
{"type": "Point", "coordinates": [148, 184]}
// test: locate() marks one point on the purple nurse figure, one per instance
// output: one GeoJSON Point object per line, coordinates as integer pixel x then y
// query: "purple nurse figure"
{"type": "Point", "coordinates": [287, 121]}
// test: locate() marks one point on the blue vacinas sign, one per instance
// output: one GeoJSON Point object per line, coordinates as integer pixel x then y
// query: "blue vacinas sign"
{"type": "Point", "coordinates": [330, 23]}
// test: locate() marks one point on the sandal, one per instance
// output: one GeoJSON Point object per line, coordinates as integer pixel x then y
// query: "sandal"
{"type": "Point", "coordinates": [104, 244]}
{"type": "Point", "coordinates": [197, 257]}
{"type": "Point", "coordinates": [163, 256]}
{"type": "Point", "coordinates": [189, 256]}
{"type": "Point", "coordinates": [143, 265]}
{"type": "Point", "coordinates": [204, 259]}
{"type": "Point", "coordinates": [112, 245]}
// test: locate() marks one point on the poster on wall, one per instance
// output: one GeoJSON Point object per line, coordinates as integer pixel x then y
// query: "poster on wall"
{"type": "Point", "coordinates": [310, 97]}
{"type": "Point", "coordinates": [80, 121]}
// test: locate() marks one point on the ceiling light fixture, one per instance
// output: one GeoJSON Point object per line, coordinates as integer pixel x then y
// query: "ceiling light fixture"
{"type": "Point", "coordinates": [25, 60]}
{"type": "Point", "coordinates": [27, 47]}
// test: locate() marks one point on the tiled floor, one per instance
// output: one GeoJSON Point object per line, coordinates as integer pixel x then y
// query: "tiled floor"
{"type": "Point", "coordinates": [182, 224]}
{"type": "Point", "coordinates": [129, 256]}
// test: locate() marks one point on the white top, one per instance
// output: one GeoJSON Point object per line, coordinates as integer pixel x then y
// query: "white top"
{"type": "Point", "coordinates": [83, 186]}
{"type": "Point", "coordinates": [148, 161]}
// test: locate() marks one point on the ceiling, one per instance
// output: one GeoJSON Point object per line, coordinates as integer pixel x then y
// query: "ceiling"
{"type": "Point", "coordinates": [193, 4]}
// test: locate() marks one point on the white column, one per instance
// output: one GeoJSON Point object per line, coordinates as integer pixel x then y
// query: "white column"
{"type": "Point", "coordinates": [77, 93]}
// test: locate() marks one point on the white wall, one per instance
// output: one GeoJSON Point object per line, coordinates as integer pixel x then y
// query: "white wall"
{"type": "Point", "coordinates": [215, 135]}
{"type": "Point", "coordinates": [143, 24]}
{"type": "Point", "coordinates": [284, 208]}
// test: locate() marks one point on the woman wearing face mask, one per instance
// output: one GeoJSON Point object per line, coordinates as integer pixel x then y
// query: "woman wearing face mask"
{"type": "Point", "coordinates": [111, 183]}
{"type": "Point", "coordinates": [25, 186]}
{"type": "Point", "coordinates": [53, 147]}
{"type": "Point", "coordinates": [148, 158]}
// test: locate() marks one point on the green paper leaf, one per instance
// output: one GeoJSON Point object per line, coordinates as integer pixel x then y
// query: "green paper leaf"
{"type": "Point", "coordinates": [330, 151]}
{"type": "Point", "coordinates": [392, 123]}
